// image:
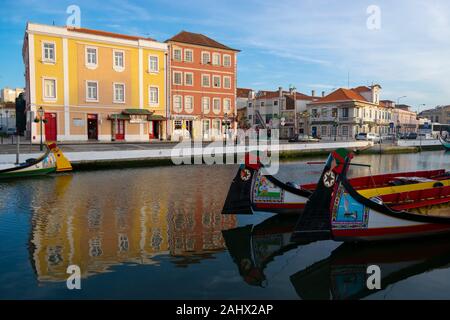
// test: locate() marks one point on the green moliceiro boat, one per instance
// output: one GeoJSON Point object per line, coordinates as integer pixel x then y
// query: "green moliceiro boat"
{"type": "Point", "coordinates": [445, 143]}
{"type": "Point", "coordinates": [32, 167]}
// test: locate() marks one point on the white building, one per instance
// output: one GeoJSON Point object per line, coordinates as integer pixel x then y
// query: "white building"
{"type": "Point", "coordinates": [346, 112]}
{"type": "Point", "coordinates": [9, 95]}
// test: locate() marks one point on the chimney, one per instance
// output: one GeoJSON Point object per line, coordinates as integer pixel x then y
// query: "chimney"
{"type": "Point", "coordinates": [313, 93]}
{"type": "Point", "coordinates": [323, 94]}
{"type": "Point", "coordinates": [280, 92]}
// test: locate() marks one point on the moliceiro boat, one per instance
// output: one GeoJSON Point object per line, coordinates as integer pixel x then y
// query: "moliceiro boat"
{"type": "Point", "coordinates": [253, 190]}
{"type": "Point", "coordinates": [53, 160]}
{"type": "Point", "coordinates": [389, 213]}
{"type": "Point", "coordinates": [445, 143]}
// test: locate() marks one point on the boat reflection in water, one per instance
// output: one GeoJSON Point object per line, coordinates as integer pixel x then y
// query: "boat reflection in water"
{"type": "Point", "coordinates": [252, 247]}
{"type": "Point", "coordinates": [343, 275]}
{"type": "Point", "coordinates": [76, 223]}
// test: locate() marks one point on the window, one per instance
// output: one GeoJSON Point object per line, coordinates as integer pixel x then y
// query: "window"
{"type": "Point", "coordinates": [91, 57]}
{"type": "Point", "coordinates": [314, 113]}
{"type": "Point", "coordinates": [227, 82]}
{"type": "Point", "coordinates": [206, 80]}
{"type": "Point", "coordinates": [206, 58]}
{"type": "Point", "coordinates": [188, 79]}
{"type": "Point", "coordinates": [334, 112]}
{"type": "Point", "coordinates": [216, 127]}
{"type": "Point", "coordinates": [188, 55]}
{"type": "Point", "coordinates": [119, 60]}
{"type": "Point", "coordinates": [216, 81]}
{"type": "Point", "coordinates": [216, 59]}
{"type": "Point", "coordinates": [178, 124]}
{"type": "Point", "coordinates": [205, 129]}
{"type": "Point", "coordinates": [345, 131]}
{"type": "Point", "coordinates": [49, 89]}
{"type": "Point", "coordinates": [177, 104]}
{"type": "Point", "coordinates": [262, 103]}
{"type": "Point", "coordinates": [250, 104]}
{"type": "Point", "coordinates": [119, 93]}
{"type": "Point", "coordinates": [154, 95]}
{"type": "Point", "coordinates": [226, 105]}
{"type": "Point", "coordinates": [91, 91]}
{"type": "Point", "coordinates": [275, 103]}
{"type": "Point", "coordinates": [177, 54]}
{"type": "Point", "coordinates": [189, 104]}
{"type": "Point", "coordinates": [205, 104]}
{"type": "Point", "coordinates": [345, 112]}
{"type": "Point", "coordinates": [177, 78]}
{"type": "Point", "coordinates": [153, 64]}
{"type": "Point", "coordinates": [226, 60]}
{"type": "Point", "coordinates": [216, 105]}
{"type": "Point", "coordinates": [323, 131]}
{"type": "Point", "coordinates": [48, 52]}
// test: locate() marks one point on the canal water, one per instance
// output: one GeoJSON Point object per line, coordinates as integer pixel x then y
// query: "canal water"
{"type": "Point", "coordinates": [158, 233]}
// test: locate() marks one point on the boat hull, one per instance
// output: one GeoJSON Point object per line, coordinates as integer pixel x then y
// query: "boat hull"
{"type": "Point", "coordinates": [355, 218]}
{"type": "Point", "coordinates": [42, 166]}
{"type": "Point", "coordinates": [445, 144]}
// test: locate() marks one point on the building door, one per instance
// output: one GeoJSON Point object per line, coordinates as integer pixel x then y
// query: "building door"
{"type": "Point", "coordinates": [156, 126]}
{"type": "Point", "coordinates": [314, 131]}
{"type": "Point", "coordinates": [50, 127]}
{"type": "Point", "coordinates": [189, 127]}
{"type": "Point", "coordinates": [92, 126]}
{"type": "Point", "coordinates": [120, 129]}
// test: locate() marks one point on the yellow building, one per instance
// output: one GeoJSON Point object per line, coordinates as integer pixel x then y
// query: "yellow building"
{"type": "Point", "coordinates": [93, 85]}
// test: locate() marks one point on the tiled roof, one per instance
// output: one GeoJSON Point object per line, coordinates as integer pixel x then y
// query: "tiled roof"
{"type": "Point", "coordinates": [107, 34]}
{"type": "Point", "coordinates": [361, 89]}
{"type": "Point", "coordinates": [342, 95]}
{"type": "Point", "coordinates": [198, 39]}
{"type": "Point", "coordinates": [242, 92]}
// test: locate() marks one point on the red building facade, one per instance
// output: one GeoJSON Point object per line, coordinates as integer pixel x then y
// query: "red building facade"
{"type": "Point", "coordinates": [202, 82]}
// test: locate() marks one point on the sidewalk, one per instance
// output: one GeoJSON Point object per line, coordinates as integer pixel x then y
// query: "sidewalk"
{"type": "Point", "coordinates": [105, 154]}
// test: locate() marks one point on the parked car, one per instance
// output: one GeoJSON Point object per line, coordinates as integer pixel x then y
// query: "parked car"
{"type": "Point", "coordinates": [411, 136]}
{"type": "Point", "coordinates": [303, 138]}
{"type": "Point", "coordinates": [10, 131]}
{"type": "Point", "coordinates": [374, 137]}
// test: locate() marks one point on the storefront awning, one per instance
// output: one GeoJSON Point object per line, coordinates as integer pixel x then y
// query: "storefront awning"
{"type": "Point", "coordinates": [137, 112]}
{"type": "Point", "coordinates": [156, 118]}
{"type": "Point", "coordinates": [119, 116]}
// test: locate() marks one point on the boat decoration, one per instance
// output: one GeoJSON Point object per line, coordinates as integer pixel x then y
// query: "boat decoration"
{"type": "Point", "coordinates": [53, 160]}
{"type": "Point", "coordinates": [394, 212]}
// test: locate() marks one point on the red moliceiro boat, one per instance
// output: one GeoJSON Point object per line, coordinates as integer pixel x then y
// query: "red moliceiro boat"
{"type": "Point", "coordinates": [252, 190]}
{"type": "Point", "coordinates": [413, 210]}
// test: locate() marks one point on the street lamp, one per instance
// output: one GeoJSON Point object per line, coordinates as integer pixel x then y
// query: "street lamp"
{"type": "Point", "coordinates": [225, 124]}
{"type": "Point", "coordinates": [41, 120]}
{"type": "Point", "coordinates": [399, 98]}
{"type": "Point", "coordinates": [335, 125]}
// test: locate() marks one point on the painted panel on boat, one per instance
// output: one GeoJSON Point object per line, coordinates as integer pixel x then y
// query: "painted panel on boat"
{"type": "Point", "coordinates": [349, 213]}
{"type": "Point", "coordinates": [266, 191]}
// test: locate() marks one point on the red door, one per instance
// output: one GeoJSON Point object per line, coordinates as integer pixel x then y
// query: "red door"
{"type": "Point", "coordinates": [151, 134]}
{"type": "Point", "coordinates": [50, 127]}
{"type": "Point", "coordinates": [120, 129]}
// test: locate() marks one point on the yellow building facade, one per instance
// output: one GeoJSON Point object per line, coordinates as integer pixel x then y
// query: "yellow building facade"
{"type": "Point", "coordinates": [93, 85]}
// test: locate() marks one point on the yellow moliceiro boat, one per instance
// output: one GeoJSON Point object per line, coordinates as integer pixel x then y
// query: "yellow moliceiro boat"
{"type": "Point", "coordinates": [53, 160]}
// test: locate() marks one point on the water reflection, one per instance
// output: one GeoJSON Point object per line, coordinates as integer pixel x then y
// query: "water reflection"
{"type": "Point", "coordinates": [343, 275]}
{"type": "Point", "coordinates": [253, 247]}
{"type": "Point", "coordinates": [77, 221]}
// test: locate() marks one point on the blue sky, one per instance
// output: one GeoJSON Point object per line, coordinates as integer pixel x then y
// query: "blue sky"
{"type": "Point", "coordinates": [312, 44]}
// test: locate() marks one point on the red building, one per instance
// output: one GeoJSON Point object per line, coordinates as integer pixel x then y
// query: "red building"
{"type": "Point", "coordinates": [202, 84]}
